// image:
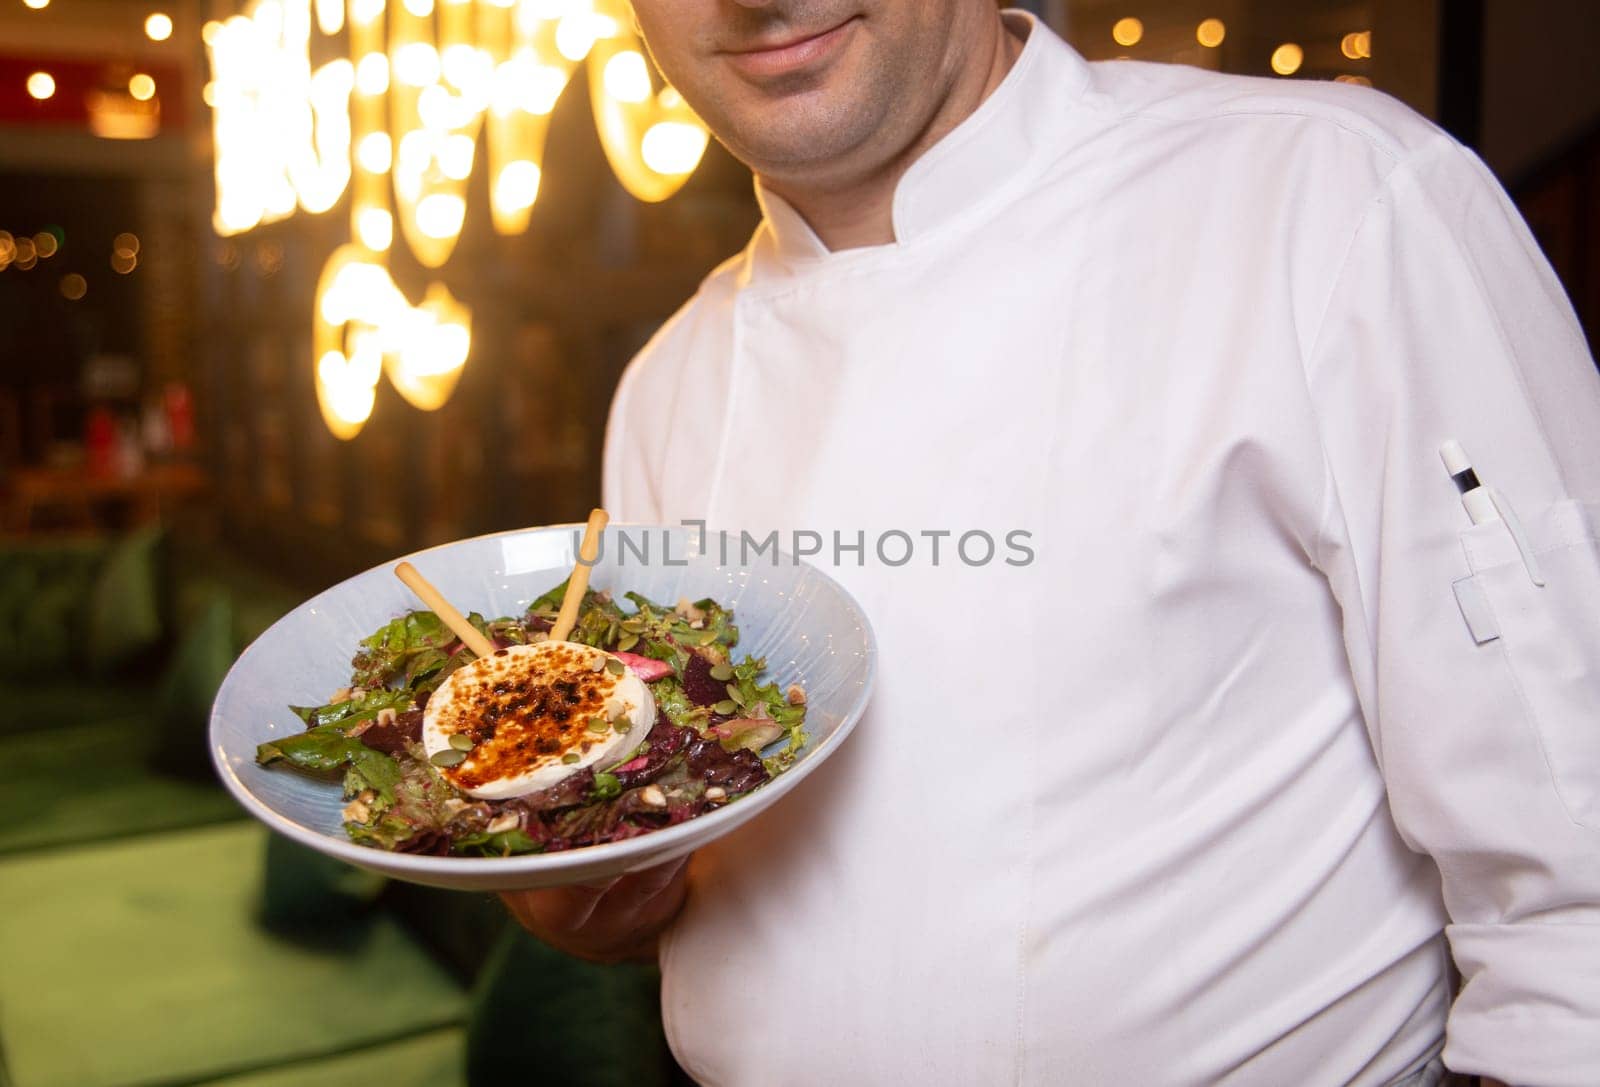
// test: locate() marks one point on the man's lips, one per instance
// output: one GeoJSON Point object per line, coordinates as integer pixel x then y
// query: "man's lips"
{"type": "Point", "coordinates": [782, 58]}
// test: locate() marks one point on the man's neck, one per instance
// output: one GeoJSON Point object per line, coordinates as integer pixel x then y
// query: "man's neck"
{"type": "Point", "coordinates": [860, 212]}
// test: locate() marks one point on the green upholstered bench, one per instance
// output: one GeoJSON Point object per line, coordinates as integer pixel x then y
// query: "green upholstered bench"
{"type": "Point", "coordinates": [141, 961]}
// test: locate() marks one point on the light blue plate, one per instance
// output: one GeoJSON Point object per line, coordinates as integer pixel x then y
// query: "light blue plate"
{"type": "Point", "coordinates": [803, 622]}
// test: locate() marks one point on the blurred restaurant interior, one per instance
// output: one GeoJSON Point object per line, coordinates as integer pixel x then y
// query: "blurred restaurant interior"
{"type": "Point", "coordinates": [291, 287]}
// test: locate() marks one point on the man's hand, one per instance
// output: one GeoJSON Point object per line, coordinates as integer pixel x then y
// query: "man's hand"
{"type": "Point", "coordinates": [610, 922]}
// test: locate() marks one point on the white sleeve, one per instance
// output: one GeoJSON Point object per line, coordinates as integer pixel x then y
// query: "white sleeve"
{"type": "Point", "coordinates": [1481, 689]}
{"type": "Point", "coordinates": [626, 488]}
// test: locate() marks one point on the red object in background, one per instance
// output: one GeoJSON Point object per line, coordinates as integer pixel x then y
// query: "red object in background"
{"type": "Point", "coordinates": [76, 78]}
{"type": "Point", "coordinates": [180, 415]}
{"type": "Point", "coordinates": [100, 441]}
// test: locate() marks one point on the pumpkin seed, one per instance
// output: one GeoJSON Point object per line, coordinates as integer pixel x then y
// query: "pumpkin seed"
{"type": "Point", "coordinates": [599, 724]}
{"type": "Point", "coordinates": [461, 741]}
{"type": "Point", "coordinates": [448, 758]}
{"type": "Point", "coordinates": [733, 693]}
{"type": "Point", "coordinates": [633, 626]}
{"type": "Point", "coordinates": [570, 757]}
{"type": "Point", "coordinates": [723, 672]}
{"type": "Point", "coordinates": [614, 666]}
{"type": "Point", "coordinates": [724, 707]}
{"type": "Point", "coordinates": [706, 637]}
{"type": "Point", "coordinates": [628, 642]}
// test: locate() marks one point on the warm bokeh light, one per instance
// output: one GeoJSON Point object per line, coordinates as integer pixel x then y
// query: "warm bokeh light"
{"type": "Point", "coordinates": [439, 215]}
{"type": "Point", "coordinates": [330, 16]}
{"type": "Point", "coordinates": [1210, 33]}
{"type": "Point", "coordinates": [126, 243]}
{"type": "Point", "coordinates": [123, 263]}
{"type": "Point", "coordinates": [1127, 31]}
{"type": "Point", "coordinates": [41, 85]}
{"type": "Point", "coordinates": [518, 186]}
{"type": "Point", "coordinates": [37, 5]}
{"type": "Point", "coordinates": [1287, 58]}
{"type": "Point", "coordinates": [417, 64]}
{"type": "Point", "coordinates": [26, 253]}
{"type": "Point", "coordinates": [45, 244]}
{"type": "Point", "coordinates": [375, 228]}
{"type": "Point", "coordinates": [421, 85]}
{"type": "Point", "coordinates": [455, 156]}
{"type": "Point", "coordinates": [1357, 80]}
{"type": "Point", "coordinates": [372, 74]}
{"type": "Point", "coordinates": [627, 79]}
{"type": "Point", "coordinates": [8, 248]}
{"type": "Point", "coordinates": [142, 87]}
{"type": "Point", "coordinates": [73, 286]}
{"type": "Point", "coordinates": [158, 26]}
{"type": "Point", "coordinates": [1357, 45]}
{"type": "Point", "coordinates": [672, 147]}
{"type": "Point", "coordinates": [375, 152]}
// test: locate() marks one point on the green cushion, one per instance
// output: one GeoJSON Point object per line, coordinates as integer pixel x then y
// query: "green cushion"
{"type": "Point", "coordinates": [190, 685]}
{"type": "Point", "coordinates": [45, 591]}
{"type": "Point", "coordinates": [312, 897]}
{"type": "Point", "coordinates": [141, 962]}
{"type": "Point", "coordinates": [92, 782]}
{"type": "Point", "coordinates": [125, 604]}
{"type": "Point", "coordinates": [542, 1017]}
{"type": "Point", "coordinates": [427, 1060]}
{"type": "Point", "coordinates": [51, 701]}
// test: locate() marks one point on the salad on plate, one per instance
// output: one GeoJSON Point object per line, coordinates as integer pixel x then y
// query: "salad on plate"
{"type": "Point", "coordinates": [641, 719]}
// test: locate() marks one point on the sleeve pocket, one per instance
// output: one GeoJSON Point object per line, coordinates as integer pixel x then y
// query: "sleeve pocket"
{"type": "Point", "coordinates": [1550, 636]}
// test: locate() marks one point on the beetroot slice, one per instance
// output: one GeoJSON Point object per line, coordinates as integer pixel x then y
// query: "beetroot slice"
{"type": "Point", "coordinates": [698, 684]}
{"type": "Point", "coordinates": [392, 738]}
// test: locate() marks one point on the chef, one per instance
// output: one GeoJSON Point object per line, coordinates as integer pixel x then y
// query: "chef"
{"type": "Point", "coordinates": [1279, 762]}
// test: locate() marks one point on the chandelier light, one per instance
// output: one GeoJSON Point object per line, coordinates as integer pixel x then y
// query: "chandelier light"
{"type": "Point", "coordinates": [398, 122]}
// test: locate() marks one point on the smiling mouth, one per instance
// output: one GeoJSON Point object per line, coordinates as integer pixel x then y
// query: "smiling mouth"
{"type": "Point", "coordinates": [786, 57]}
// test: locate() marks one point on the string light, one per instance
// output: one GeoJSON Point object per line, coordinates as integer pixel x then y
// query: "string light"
{"type": "Point", "coordinates": [399, 124]}
{"type": "Point", "coordinates": [41, 85]}
{"type": "Point", "coordinates": [37, 5]}
{"type": "Point", "coordinates": [142, 87]}
{"type": "Point", "coordinates": [1287, 58]}
{"type": "Point", "coordinates": [158, 26]}
{"type": "Point", "coordinates": [1210, 33]}
{"type": "Point", "coordinates": [74, 287]}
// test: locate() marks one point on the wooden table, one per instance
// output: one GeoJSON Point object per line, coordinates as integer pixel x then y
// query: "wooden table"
{"type": "Point", "coordinates": [144, 494]}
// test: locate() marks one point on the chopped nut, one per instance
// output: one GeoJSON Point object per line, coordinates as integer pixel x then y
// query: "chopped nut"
{"type": "Point", "coordinates": [358, 692]}
{"type": "Point", "coordinates": [359, 727]}
{"type": "Point", "coordinates": [358, 810]}
{"type": "Point", "coordinates": [697, 624]}
{"type": "Point", "coordinates": [685, 607]}
{"type": "Point", "coordinates": [616, 709]}
{"type": "Point", "coordinates": [341, 695]}
{"type": "Point", "coordinates": [507, 821]}
{"type": "Point", "coordinates": [454, 807]}
{"type": "Point", "coordinates": [716, 792]}
{"type": "Point", "coordinates": [599, 664]}
{"type": "Point", "coordinates": [796, 695]}
{"type": "Point", "coordinates": [652, 796]}
{"type": "Point", "coordinates": [539, 636]}
{"type": "Point", "coordinates": [387, 715]}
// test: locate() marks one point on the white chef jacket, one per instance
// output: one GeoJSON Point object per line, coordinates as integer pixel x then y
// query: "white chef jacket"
{"type": "Point", "coordinates": [1211, 789]}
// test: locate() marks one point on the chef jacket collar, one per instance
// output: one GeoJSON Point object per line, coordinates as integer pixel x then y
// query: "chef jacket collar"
{"type": "Point", "coordinates": [978, 160]}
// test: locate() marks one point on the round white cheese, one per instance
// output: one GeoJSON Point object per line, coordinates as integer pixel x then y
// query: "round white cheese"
{"type": "Point", "coordinates": [533, 715]}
